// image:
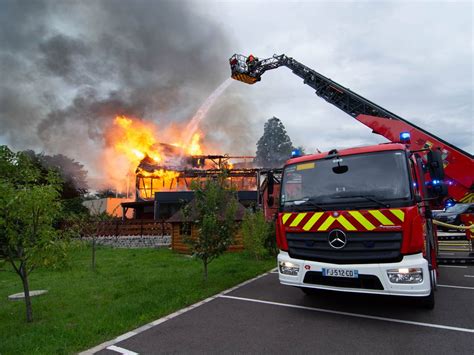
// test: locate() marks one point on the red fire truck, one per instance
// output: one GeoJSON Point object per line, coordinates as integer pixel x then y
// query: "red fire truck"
{"type": "Point", "coordinates": [360, 219]}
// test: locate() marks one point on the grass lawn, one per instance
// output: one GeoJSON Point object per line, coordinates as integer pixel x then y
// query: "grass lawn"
{"type": "Point", "coordinates": [130, 287]}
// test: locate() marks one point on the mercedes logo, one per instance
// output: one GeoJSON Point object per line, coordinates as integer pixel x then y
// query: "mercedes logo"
{"type": "Point", "coordinates": [337, 239]}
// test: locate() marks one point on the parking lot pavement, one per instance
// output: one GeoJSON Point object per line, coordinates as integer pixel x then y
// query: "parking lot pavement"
{"type": "Point", "coordinates": [264, 316]}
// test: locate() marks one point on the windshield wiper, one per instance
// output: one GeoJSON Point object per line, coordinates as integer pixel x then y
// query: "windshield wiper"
{"type": "Point", "coordinates": [367, 197]}
{"type": "Point", "coordinates": [305, 202]}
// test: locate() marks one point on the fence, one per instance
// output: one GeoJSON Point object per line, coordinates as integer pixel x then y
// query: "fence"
{"type": "Point", "coordinates": [135, 227]}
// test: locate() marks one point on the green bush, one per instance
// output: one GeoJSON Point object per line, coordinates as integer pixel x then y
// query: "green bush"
{"type": "Point", "coordinates": [270, 242]}
{"type": "Point", "coordinates": [257, 235]}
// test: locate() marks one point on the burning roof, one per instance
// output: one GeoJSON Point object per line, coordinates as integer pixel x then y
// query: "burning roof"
{"type": "Point", "coordinates": [171, 158]}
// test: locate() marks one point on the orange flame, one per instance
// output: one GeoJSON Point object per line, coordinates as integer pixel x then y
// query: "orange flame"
{"type": "Point", "coordinates": [137, 139]}
{"type": "Point", "coordinates": [132, 140]}
{"type": "Point", "coordinates": [195, 148]}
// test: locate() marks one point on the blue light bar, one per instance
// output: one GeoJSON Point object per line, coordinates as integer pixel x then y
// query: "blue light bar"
{"type": "Point", "coordinates": [405, 137]}
{"type": "Point", "coordinates": [295, 153]}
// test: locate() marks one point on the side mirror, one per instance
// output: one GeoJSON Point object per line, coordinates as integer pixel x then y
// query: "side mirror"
{"type": "Point", "coordinates": [437, 189]}
{"type": "Point", "coordinates": [270, 201]}
{"type": "Point", "coordinates": [270, 183]}
{"type": "Point", "coordinates": [435, 164]}
{"type": "Point", "coordinates": [436, 170]}
{"type": "Point", "coordinates": [443, 190]}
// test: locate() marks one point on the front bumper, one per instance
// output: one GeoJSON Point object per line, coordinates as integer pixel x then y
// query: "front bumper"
{"type": "Point", "coordinates": [371, 270]}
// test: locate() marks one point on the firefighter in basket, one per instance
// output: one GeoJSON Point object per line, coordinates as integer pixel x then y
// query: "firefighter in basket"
{"type": "Point", "coordinates": [251, 62]}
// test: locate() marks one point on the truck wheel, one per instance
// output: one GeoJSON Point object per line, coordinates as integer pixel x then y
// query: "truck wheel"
{"type": "Point", "coordinates": [428, 302]}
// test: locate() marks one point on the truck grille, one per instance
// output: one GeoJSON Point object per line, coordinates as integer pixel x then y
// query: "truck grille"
{"type": "Point", "coordinates": [369, 282]}
{"type": "Point", "coordinates": [361, 247]}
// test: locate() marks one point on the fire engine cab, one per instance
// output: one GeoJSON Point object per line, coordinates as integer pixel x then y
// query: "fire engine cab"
{"type": "Point", "coordinates": [355, 220]}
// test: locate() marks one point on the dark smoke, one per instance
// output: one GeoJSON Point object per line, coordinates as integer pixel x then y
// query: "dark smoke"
{"type": "Point", "coordinates": [67, 68]}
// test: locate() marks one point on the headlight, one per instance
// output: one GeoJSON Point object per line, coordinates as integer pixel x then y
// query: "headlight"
{"type": "Point", "coordinates": [405, 275]}
{"type": "Point", "coordinates": [288, 268]}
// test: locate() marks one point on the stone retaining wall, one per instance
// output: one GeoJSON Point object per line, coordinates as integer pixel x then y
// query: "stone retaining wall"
{"type": "Point", "coordinates": [133, 241]}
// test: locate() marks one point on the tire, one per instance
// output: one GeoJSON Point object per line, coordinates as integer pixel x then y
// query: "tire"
{"type": "Point", "coordinates": [428, 302]}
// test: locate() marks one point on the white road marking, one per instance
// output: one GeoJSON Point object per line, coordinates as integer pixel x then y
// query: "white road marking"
{"type": "Point", "coordinates": [462, 287]}
{"type": "Point", "coordinates": [356, 315]}
{"type": "Point", "coordinates": [468, 275]}
{"type": "Point", "coordinates": [121, 350]}
{"type": "Point", "coordinates": [454, 266]}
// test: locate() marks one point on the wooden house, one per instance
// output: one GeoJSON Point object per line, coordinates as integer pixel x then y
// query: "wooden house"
{"type": "Point", "coordinates": [182, 228]}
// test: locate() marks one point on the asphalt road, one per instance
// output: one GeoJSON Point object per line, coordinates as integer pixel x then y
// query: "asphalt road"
{"type": "Point", "coordinates": [266, 317]}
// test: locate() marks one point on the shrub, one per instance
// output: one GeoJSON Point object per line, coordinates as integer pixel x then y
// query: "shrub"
{"type": "Point", "coordinates": [270, 242]}
{"type": "Point", "coordinates": [256, 233]}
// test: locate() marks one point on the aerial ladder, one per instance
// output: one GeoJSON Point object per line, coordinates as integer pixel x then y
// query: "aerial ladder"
{"type": "Point", "coordinates": [458, 164]}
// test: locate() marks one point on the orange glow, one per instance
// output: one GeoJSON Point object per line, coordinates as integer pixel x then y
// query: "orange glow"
{"type": "Point", "coordinates": [131, 140]}
{"type": "Point", "coordinates": [195, 148]}
{"type": "Point", "coordinates": [160, 173]}
{"type": "Point", "coordinates": [137, 139]}
{"type": "Point", "coordinates": [134, 139]}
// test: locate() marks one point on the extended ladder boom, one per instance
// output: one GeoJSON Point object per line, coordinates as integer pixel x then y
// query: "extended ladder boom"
{"type": "Point", "coordinates": [459, 164]}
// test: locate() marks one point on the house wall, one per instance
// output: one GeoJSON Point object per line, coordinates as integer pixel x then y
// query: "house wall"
{"type": "Point", "coordinates": [110, 205]}
{"type": "Point", "coordinates": [178, 245]}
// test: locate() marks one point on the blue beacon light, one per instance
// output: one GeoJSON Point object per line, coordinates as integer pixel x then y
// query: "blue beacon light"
{"type": "Point", "coordinates": [405, 137]}
{"type": "Point", "coordinates": [295, 153]}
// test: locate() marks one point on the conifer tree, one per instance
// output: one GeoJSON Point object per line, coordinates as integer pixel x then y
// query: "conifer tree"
{"type": "Point", "coordinates": [275, 146]}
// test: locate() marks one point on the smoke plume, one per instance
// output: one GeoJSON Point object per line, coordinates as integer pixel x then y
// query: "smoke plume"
{"type": "Point", "coordinates": [69, 68]}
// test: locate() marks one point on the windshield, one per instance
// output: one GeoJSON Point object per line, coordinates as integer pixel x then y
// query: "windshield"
{"type": "Point", "coordinates": [370, 177]}
{"type": "Point", "coordinates": [458, 208]}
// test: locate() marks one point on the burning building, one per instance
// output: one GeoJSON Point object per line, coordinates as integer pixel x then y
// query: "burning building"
{"type": "Point", "coordinates": [166, 172]}
{"type": "Point", "coordinates": [161, 189]}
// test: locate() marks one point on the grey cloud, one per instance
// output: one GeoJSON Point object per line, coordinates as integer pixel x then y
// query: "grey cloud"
{"type": "Point", "coordinates": [160, 59]}
{"type": "Point", "coordinates": [62, 55]}
{"type": "Point", "coordinates": [78, 64]}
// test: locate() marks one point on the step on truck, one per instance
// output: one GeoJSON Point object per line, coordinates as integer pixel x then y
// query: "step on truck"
{"type": "Point", "coordinates": [360, 219]}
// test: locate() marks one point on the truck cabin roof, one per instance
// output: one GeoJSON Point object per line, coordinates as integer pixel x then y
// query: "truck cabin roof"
{"type": "Point", "coordinates": [349, 151]}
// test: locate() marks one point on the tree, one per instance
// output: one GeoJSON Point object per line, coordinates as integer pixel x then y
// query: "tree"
{"type": "Point", "coordinates": [213, 212]}
{"type": "Point", "coordinates": [73, 179]}
{"type": "Point", "coordinates": [90, 225]}
{"type": "Point", "coordinates": [109, 192]}
{"type": "Point", "coordinates": [72, 173]}
{"type": "Point", "coordinates": [275, 146]}
{"type": "Point", "coordinates": [29, 210]}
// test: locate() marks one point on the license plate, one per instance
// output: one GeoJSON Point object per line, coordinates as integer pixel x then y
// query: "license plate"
{"type": "Point", "coordinates": [341, 273]}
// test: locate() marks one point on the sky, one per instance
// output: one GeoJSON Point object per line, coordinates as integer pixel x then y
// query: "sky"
{"type": "Point", "coordinates": [413, 58]}
{"type": "Point", "coordinates": [68, 68]}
